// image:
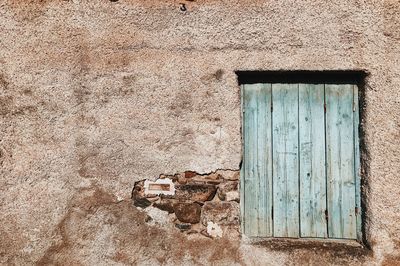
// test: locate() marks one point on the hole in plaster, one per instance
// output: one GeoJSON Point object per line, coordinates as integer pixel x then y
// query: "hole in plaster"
{"type": "Point", "coordinates": [182, 7]}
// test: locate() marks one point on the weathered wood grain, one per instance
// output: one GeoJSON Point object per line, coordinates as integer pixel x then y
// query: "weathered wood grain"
{"type": "Point", "coordinates": [340, 161]}
{"type": "Point", "coordinates": [300, 162]}
{"type": "Point", "coordinates": [257, 160]}
{"type": "Point", "coordinates": [285, 160]}
{"type": "Point", "coordinates": [312, 161]}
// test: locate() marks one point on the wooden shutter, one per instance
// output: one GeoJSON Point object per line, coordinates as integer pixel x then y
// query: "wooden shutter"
{"type": "Point", "coordinates": [300, 172]}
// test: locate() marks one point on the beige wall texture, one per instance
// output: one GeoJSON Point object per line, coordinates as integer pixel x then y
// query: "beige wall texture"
{"type": "Point", "coordinates": [95, 95]}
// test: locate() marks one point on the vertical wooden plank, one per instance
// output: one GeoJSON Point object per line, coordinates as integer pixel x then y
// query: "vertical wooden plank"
{"type": "Point", "coordinates": [264, 161]}
{"type": "Point", "coordinates": [357, 170]}
{"type": "Point", "coordinates": [285, 160]}
{"type": "Point", "coordinates": [257, 154]}
{"type": "Point", "coordinates": [312, 161]}
{"type": "Point", "coordinates": [250, 179]}
{"type": "Point", "coordinates": [241, 183]}
{"type": "Point", "coordinates": [340, 161]}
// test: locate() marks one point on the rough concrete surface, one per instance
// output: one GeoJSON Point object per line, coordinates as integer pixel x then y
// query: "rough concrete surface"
{"type": "Point", "coordinates": [96, 95]}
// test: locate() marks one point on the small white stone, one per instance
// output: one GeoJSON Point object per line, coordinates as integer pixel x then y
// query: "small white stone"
{"type": "Point", "coordinates": [119, 196]}
{"type": "Point", "coordinates": [214, 230]}
{"type": "Point", "coordinates": [232, 196]}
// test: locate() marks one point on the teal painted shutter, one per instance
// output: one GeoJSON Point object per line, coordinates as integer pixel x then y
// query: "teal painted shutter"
{"type": "Point", "coordinates": [312, 161]}
{"type": "Point", "coordinates": [257, 160]}
{"type": "Point", "coordinates": [301, 171]}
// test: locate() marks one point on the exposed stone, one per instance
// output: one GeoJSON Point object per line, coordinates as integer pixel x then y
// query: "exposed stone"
{"type": "Point", "coordinates": [174, 178]}
{"type": "Point", "coordinates": [138, 196]}
{"type": "Point", "coordinates": [214, 182]}
{"type": "Point", "coordinates": [141, 202]}
{"type": "Point", "coordinates": [203, 180]}
{"type": "Point", "coordinates": [214, 230]}
{"type": "Point", "coordinates": [232, 196]}
{"type": "Point", "coordinates": [223, 213]}
{"type": "Point", "coordinates": [198, 227]}
{"type": "Point", "coordinates": [182, 180]}
{"type": "Point", "coordinates": [221, 194]}
{"type": "Point", "coordinates": [213, 176]}
{"type": "Point", "coordinates": [152, 197]}
{"type": "Point", "coordinates": [183, 227]}
{"type": "Point", "coordinates": [229, 174]}
{"type": "Point", "coordinates": [195, 192]}
{"type": "Point", "coordinates": [148, 219]}
{"type": "Point", "coordinates": [138, 190]}
{"type": "Point", "coordinates": [172, 218]}
{"type": "Point", "coordinates": [188, 212]}
{"type": "Point", "coordinates": [190, 174]}
{"type": "Point", "coordinates": [165, 205]}
{"type": "Point", "coordinates": [227, 188]}
{"type": "Point", "coordinates": [204, 233]}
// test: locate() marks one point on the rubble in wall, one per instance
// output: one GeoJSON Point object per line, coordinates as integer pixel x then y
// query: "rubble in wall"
{"type": "Point", "coordinates": [205, 204]}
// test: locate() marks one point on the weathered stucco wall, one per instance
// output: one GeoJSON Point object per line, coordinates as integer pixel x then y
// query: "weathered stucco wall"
{"type": "Point", "coordinates": [96, 95]}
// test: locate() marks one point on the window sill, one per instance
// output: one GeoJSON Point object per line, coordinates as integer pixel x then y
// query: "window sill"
{"type": "Point", "coordinates": [339, 246]}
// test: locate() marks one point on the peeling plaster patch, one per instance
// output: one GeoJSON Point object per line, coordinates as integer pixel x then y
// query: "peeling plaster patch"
{"type": "Point", "coordinates": [159, 187]}
{"type": "Point", "coordinates": [194, 202]}
{"type": "Point", "coordinates": [214, 230]}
